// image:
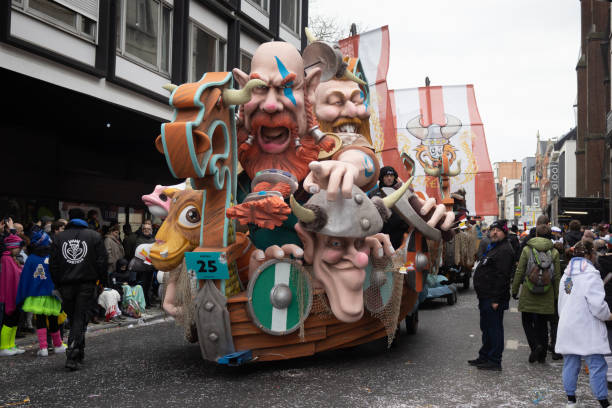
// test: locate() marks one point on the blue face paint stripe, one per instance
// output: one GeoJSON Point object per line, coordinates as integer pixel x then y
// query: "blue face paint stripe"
{"type": "Point", "coordinates": [367, 163]}
{"type": "Point", "coordinates": [288, 92]}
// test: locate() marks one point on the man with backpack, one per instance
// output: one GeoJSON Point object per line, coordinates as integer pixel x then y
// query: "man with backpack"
{"type": "Point", "coordinates": [539, 272]}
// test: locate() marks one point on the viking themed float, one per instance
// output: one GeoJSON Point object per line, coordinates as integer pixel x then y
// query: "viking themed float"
{"type": "Point", "coordinates": [272, 248]}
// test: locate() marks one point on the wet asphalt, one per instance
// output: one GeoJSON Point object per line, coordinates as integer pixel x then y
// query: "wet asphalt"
{"type": "Point", "coordinates": [153, 366]}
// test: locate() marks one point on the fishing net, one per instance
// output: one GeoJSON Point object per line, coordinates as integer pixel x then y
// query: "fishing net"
{"type": "Point", "coordinates": [384, 300]}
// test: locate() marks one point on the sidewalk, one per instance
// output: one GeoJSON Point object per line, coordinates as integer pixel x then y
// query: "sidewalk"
{"type": "Point", "coordinates": [149, 316]}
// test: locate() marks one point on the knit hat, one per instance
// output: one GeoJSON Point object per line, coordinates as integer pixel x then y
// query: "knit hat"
{"type": "Point", "coordinates": [39, 238]}
{"type": "Point", "coordinates": [500, 224]}
{"type": "Point", "coordinates": [12, 241]}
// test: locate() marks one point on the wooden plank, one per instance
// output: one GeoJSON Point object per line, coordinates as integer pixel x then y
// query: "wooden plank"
{"type": "Point", "coordinates": [344, 327]}
{"type": "Point", "coordinates": [239, 298]}
{"type": "Point", "coordinates": [366, 339]}
{"type": "Point", "coordinates": [259, 341]}
{"type": "Point", "coordinates": [320, 320]}
{"type": "Point", "coordinates": [244, 329]}
{"type": "Point", "coordinates": [284, 353]}
{"type": "Point", "coordinates": [239, 315]}
{"type": "Point", "coordinates": [340, 339]}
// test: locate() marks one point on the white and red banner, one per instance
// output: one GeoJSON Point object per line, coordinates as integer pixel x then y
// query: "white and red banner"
{"type": "Point", "coordinates": [425, 124]}
{"type": "Point", "coordinates": [372, 49]}
{"type": "Point", "coordinates": [436, 121]}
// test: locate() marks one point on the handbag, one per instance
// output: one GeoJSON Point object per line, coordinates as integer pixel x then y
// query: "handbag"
{"type": "Point", "coordinates": [1, 313]}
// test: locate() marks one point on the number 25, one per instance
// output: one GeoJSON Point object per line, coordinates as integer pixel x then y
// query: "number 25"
{"type": "Point", "coordinates": [211, 266]}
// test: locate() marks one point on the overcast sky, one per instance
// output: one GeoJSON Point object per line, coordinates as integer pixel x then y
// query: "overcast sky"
{"type": "Point", "coordinates": [519, 54]}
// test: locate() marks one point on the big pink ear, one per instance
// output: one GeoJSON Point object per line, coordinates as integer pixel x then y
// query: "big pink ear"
{"type": "Point", "coordinates": [307, 239]}
{"type": "Point", "coordinates": [312, 81]}
{"type": "Point", "coordinates": [241, 77]}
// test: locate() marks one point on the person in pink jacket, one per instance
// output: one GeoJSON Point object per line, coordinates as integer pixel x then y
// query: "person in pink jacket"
{"type": "Point", "coordinates": [9, 281]}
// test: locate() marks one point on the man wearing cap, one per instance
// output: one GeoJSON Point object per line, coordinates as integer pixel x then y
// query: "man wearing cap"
{"type": "Point", "coordinates": [78, 260]}
{"type": "Point", "coordinates": [492, 285]}
{"type": "Point", "coordinates": [395, 225]}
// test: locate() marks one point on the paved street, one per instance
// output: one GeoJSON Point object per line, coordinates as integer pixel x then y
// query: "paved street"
{"type": "Point", "coordinates": [152, 365]}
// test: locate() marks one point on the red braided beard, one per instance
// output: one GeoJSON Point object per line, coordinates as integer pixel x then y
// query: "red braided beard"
{"type": "Point", "coordinates": [295, 161]}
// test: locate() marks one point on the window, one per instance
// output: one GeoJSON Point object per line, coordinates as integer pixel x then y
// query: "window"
{"type": "Point", "coordinates": [264, 5]}
{"type": "Point", "coordinates": [144, 31]}
{"type": "Point", "coordinates": [245, 62]}
{"type": "Point", "coordinates": [290, 14]}
{"type": "Point", "coordinates": [207, 53]}
{"type": "Point", "coordinates": [79, 19]}
{"type": "Point", "coordinates": [532, 176]}
{"type": "Point", "coordinates": [535, 198]}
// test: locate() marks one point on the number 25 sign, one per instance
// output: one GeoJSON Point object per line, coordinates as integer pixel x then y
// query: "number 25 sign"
{"type": "Point", "coordinates": [207, 265]}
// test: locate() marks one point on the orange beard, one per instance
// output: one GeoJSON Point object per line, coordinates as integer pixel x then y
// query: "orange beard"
{"type": "Point", "coordinates": [362, 126]}
{"type": "Point", "coordinates": [293, 160]}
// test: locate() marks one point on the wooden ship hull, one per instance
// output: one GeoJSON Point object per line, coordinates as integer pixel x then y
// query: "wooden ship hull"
{"type": "Point", "coordinates": [322, 332]}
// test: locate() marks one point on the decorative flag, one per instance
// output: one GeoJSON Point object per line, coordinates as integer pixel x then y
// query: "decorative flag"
{"type": "Point", "coordinates": [372, 49]}
{"type": "Point", "coordinates": [435, 122]}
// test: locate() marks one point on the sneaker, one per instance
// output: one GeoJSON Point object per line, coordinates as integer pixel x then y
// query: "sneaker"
{"type": "Point", "coordinates": [7, 352]}
{"type": "Point", "coordinates": [489, 365]}
{"type": "Point", "coordinates": [477, 361]}
{"type": "Point", "coordinates": [60, 349]}
{"type": "Point", "coordinates": [43, 353]}
{"type": "Point", "coordinates": [572, 405]}
{"type": "Point", "coordinates": [18, 350]}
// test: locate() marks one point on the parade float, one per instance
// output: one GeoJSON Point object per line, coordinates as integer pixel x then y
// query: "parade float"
{"type": "Point", "coordinates": [271, 249]}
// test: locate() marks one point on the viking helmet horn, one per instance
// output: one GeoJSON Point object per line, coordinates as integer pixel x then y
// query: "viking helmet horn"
{"type": "Point", "coordinates": [390, 200]}
{"type": "Point", "coordinates": [241, 96]}
{"type": "Point", "coordinates": [350, 76]}
{"type": "Point", "coordinates": [170, 87]}
{"type": "Point", "coordinates": [309, 35]}
{"type": "Point", "coordinates": [432, 171]}
{"type": "Point", "coordinates": [303, 214]}
{"type": "Point", "coordinates": [453, 173]}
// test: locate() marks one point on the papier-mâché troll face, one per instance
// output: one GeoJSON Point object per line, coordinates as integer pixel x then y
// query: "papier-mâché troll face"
{"type": "Point", "coordinates": [340, 108]}
{"type": "Point", "coordinates": [276, 117]}
{"type": "Point", "coordinates": [338, 246]}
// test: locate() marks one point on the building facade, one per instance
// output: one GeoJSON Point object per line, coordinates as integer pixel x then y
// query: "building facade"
{"type": "Point", "coordinates": [530, 193]}
{"type": "Point", "coordinates": [507, 176]}
{"type": "Point", "coordinates": [85, 79]}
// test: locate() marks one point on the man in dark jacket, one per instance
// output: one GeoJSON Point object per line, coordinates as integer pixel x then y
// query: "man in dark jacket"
{"type": "Point", "coordinates": [492, 285]}
{"type": "Point", "coordinates": [574, 234]}
{"type": "Point", "coordinates": [395, 226]}
{"type": "Point", "coordinates": [78, 260]}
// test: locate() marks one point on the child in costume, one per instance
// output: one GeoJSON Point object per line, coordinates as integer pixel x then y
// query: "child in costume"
{"type": "Point", "coordinates": [9, 281]}
{"type": "Point", "coordinates": [36, 293]}
{"type": "Point", "coordinates": [582, 331]}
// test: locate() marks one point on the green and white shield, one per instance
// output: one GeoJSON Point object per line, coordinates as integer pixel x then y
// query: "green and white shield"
{"type": "Point", "coordinates": [279, 296]}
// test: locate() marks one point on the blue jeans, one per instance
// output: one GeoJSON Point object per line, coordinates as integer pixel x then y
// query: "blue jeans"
{"type": "Point", "coordinates": [597, 374]}
{"type": "Point", "coordinates": [492, 327]}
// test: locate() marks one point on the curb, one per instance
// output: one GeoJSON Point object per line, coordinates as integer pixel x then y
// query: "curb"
{"type": "Point", "coordinates": [32, 339]}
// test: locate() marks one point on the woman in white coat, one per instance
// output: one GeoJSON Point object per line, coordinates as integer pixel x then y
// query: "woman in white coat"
{"type": "Point", "coordinates": [582, 332]}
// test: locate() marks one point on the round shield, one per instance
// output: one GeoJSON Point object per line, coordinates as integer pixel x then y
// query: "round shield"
{"type": "Point", "coordinates": [377, 287]}
{"type": "Point", "coordinates": [323, 55]}
{"type": "Point", "coordinates": [279, 296]}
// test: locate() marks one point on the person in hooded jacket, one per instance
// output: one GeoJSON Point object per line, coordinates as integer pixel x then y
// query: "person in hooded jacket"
{"type": "Point", "coordinates": [395, 226]}
{"type": "Point", "coordinates": [77, 265]}
{"type": "Point", "coordinates": [537, 309]}
{"type": "Point", "coordinates": [37, 294]}
{"type": "Point", "coordinates": [582, 332]}
{"type": "Point", "coordinates": [9, 282]}
{"type": "Point", "coordinates": [574, 234]}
